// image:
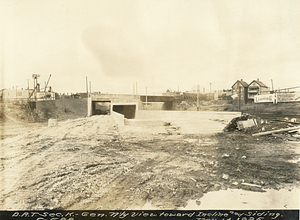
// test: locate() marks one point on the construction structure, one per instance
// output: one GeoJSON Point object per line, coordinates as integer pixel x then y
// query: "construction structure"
{"type": "Point", "coordinates": [30, 95]}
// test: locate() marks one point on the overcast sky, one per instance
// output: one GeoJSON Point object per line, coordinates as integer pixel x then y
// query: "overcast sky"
{"type": "Point", "coordinates": [162, 44]}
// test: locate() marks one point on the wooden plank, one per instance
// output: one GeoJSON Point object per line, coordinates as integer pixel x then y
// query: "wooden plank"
{"type": "Point", "coordinates": [276, 131]}
{"type": "Point", "coordinates": [251, 185]}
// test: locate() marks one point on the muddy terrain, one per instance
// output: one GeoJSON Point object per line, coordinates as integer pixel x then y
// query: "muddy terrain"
{"type": "Point", "coordinates": [88, 163]}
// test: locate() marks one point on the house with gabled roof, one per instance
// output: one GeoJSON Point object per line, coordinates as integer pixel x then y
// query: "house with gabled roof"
{"type": "Point", "coordinates": [256, 87]}
{"type": "Point", "coordinates": [240, 91]}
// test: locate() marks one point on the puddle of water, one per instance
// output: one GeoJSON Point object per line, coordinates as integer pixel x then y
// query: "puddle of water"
{"type": "Point", "coordinates": [242, 200]}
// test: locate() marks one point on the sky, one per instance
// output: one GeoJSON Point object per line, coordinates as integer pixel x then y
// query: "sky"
{"type": "Point", "coordinates": [158, 45]}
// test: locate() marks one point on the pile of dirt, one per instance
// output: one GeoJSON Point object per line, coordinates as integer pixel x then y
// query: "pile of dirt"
{"type": "Point", "coordinates": [94, 127]}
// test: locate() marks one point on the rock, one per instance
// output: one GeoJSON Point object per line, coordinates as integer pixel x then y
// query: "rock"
{"type": "Point", "coordinates": [225, 176]}
{"type": "Point", "coordinates": [167, 124]}
{"type": "Point", "coordinates": [52, 122]}
{"type": "Point", "coordinates": [293, 120]}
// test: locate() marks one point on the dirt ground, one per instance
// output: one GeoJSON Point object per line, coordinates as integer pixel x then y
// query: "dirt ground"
{"type": "Point", "coordinates": [87, 163]}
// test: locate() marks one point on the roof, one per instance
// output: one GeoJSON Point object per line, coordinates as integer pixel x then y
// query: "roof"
{"type": "Point", "coordinates": [261, 84]}
{"type": "Point", "coordinates": [244, 84]}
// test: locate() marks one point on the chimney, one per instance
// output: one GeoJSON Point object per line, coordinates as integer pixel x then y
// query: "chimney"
{"type": "Point", "coordinates": [242, 80]}
{"type": "Point", "coordinates": [257, 79]}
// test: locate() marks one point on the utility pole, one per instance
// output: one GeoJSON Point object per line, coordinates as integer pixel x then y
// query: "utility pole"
{"type": "Point", "coordinates": [272, 85]}
{"type": "Point", "coordinates": [198, 90]}
{"type": "Point", "coordinates": [146, 97]}
{"type": "Point", "coordinates": [240, 88]}
{"type": "Point", "coordinates": [28, 87]}
{"type": "Point", "coordinates": [136, 92]}
{"type": "Point", "coordinates": [90, 87]}
{"type": "Point", "coordinates": [210, 87]}
{"type": "Point", "coordinates": [86, 85]}
{"type": "Point", "coordinates": [35, 82]}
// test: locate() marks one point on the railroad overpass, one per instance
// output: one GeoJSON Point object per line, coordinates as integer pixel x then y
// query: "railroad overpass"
{"type": "Point", "coordinates": [153, 98]}
{"type": "Point", "coordinates": [128, 104]}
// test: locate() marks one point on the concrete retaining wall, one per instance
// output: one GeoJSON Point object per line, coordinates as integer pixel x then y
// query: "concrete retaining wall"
{"type": "Point", "coordinates": [145, 114]}
{"type": "Point", "coordinates": [119, 119]}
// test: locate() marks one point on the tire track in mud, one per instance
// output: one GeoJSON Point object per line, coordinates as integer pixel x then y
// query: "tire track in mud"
{"type": "Point", "coordinates": [119, 190]}
{"type": "Point", "coordinates": [165, 178]}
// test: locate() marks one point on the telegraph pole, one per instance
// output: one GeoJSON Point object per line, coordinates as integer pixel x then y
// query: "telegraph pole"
{"type": "Point", "coordinates": [272, 85]}
{"type": "Point", "coordinates": [28, 87]}
{"type": "Point", "coordinates": [240, 88]}
{"type": "Point", "coordinates": [86, 85]}
{"type": "Point", "coordinates": [136, 92]}
{"type": "Point", "coordinates": [90, 87]}
{"type": "Point", "coordinates": [146, 97]}
{"type": "Point", "coordinates": [198, 88]}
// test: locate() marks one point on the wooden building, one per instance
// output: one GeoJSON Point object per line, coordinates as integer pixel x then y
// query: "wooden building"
{"type": "Point", "coordinates": [257, 87]}
{"type": "Point", "coordinates": [240, 92]}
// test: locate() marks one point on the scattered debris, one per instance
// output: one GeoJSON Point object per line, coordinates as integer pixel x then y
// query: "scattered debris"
{"type": "Point", "coordinates": [276, 131]}
{"type": "Point", "coordinates": [244, 122]}
{"type": "Point", "coordinates": [259, 127]}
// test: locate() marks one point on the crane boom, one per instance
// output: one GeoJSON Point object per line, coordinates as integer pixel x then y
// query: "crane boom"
{"type": "Point", "coordinates": [47, 83]}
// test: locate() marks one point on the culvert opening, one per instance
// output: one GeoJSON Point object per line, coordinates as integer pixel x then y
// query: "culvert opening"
{"type": "Point", "coordinates": [101, 107]}
{"type": "Point", "coordinates": [128, 110]}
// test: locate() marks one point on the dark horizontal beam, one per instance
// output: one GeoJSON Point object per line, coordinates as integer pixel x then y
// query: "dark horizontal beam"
{"type": "Point", "coordinates": [157, 98]}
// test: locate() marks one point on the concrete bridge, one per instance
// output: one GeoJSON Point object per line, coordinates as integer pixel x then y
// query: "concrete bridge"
{"type": "Point", "coordinates": [128, 104]}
